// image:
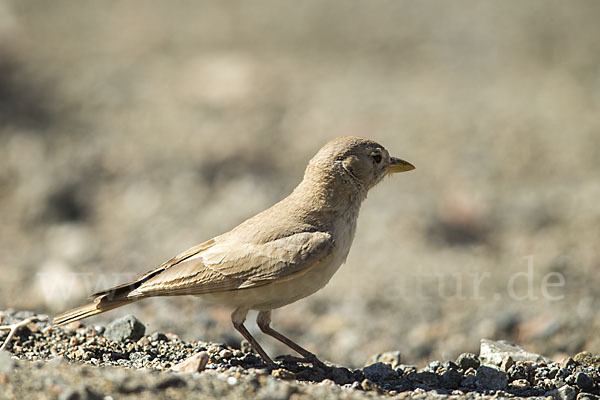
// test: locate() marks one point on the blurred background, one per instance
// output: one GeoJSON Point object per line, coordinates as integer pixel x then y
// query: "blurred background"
{"type": "Point", "coordinates": [131, 130]}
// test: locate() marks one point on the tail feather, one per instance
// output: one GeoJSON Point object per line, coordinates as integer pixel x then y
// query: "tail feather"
{"type": "Point", "coordinates": [121, 295]}
{"type": "Point", "coordinates": [100, 305]}
{"type": "Point", "coordinates": [105, 300]}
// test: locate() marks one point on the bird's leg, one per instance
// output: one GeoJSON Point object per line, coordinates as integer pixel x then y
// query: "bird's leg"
{"type": "Point", "coordinates": [264, 323]}
{"type": "Point", "coordinates": [237, 318]}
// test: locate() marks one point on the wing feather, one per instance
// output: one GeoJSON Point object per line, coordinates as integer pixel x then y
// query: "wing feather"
{"type": "Point", "coordinates": [226, 264]}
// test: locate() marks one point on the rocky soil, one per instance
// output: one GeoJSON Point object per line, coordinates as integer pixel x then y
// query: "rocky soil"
{"type": "Point", "coordinates": [121, 361]}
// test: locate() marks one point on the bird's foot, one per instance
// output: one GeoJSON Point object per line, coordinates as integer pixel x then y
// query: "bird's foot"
{"type": "Point", "coordinates": [316, 363]}
{"type": "Point", "coordinates": [13, 328]}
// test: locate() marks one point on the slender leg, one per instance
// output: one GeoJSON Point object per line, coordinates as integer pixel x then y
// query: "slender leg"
{"type": "Point", "coordinates": [237, 318]}
{"type": "Point", "coordinates": [264, 323]}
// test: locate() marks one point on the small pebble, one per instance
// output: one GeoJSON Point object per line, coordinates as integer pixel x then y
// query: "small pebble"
{"type": "Point", "coordinates": [158, 337]}
{"type": "Point", "coordinates": [225, 354]}
{"type": "Point", "coordinates": [584, 381]}
{"type": "Point", "coordinates": [367, 385]}
{"type": "Point", "coordinates": [126, 328]}
{"type": "Point", "coordinates": [282, 374]}
{"type": "Point", "coordinates": [567, 392]}
{"type": "Point", "coordinates": [468, 360]}
{"type": "Point", "coordinates": [492, 378]}
{"type": "Point", "coordinates": [379, 372]}
{"type": "Point", "coordinates": [507, 362]}
{"type": "Point", "coordinates": [519, 385]}
{"type": "Point", "coordinates": [195, 363]}
{"type": "Point", "coordinates": [451, 379]}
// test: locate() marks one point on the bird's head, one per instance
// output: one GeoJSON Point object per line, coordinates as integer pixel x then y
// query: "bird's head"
{"type": "Point", "coordinates": [359, 161]}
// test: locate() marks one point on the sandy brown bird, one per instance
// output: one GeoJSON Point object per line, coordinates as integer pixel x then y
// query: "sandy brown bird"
{"type": "Point", "coordinates": [281, 255]}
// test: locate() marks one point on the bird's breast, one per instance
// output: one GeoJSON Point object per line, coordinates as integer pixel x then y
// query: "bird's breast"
{"type": "Point", "coordinates": [343, 235]}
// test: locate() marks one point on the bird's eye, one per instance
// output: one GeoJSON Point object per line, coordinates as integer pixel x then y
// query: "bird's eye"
{"type": "Point", "coordinates": [376, 157]}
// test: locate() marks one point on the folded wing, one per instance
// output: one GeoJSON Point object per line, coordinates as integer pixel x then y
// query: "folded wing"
{"type": "Point", "coordinates": [224, 264]}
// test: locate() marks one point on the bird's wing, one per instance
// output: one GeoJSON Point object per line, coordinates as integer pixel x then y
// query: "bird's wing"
{"type": "Point", "coordinates": [126, 288]}
{"type": "Point", "coordinates": [226, 264]}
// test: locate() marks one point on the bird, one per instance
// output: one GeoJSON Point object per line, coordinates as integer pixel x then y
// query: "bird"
{"type": "Point", "coordinates": [281, 255]}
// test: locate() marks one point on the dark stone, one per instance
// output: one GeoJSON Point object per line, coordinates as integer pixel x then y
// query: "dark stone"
{"type": "Point", "coordinates": [450, 365]}
{"type": "Point", "coordinates": [126, 328]}
{"type": "Point", "coordinates": [584, 381]}
{"type": "Point", "coordinates": [492, 378]}
{"type": "Point", "coordinates": [552, 373]}
{"type": "Point", "coordinates": [586, 396]}
{"type": "Point", "coordinates": [402, 385]}
{"type": "Point", "coordinates": [159, 337]}
{"type": "Point", "coordinates": [451, 379]}
{"type": "Point", "coordinates": [468, 360]}
{"type": "Point", "coordinates": [341, 375]}
{"type": "Point", "coordinates": [468, 381]}
{"type": "Point", "coordinates": [379, 372]}
{"type": "Point", "coordinates": [425, 378]}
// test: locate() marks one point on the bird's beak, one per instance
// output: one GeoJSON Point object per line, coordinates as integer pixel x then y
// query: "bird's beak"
{"type": "Point", "coordinates": [398, 165]}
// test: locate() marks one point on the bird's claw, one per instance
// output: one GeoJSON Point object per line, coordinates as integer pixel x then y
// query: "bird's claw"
{"type": "Point", "coordinates": [316, 363]}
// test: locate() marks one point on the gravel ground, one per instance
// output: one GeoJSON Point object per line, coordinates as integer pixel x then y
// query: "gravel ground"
{"type": "Point", "coordinates": [120, 361]}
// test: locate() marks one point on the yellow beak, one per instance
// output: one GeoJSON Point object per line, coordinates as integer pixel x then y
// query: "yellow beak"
{"type": "Point", "coordinates": [398, 165]}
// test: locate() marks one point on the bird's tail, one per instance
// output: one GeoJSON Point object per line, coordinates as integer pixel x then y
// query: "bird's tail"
{"type": "Point", "coordinates": [107, 300]}
{"type": "Point", "coordinates": [100, 305]}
